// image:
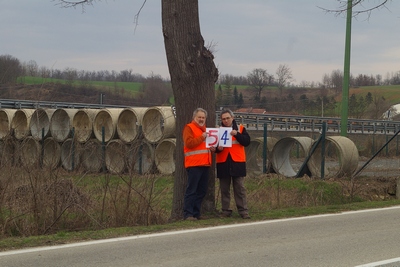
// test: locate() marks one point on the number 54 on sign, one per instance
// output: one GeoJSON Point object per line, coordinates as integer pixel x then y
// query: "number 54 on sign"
{"type": "Point", "coordinates": [219, 137]}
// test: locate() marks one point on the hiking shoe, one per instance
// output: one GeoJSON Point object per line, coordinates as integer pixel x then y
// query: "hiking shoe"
{"type": "Point", "coordinates": [191, 219]}
{"type": "Point", "coordinates": [245, 216]}
{"type": "Point", "coordinates": [225, 215]}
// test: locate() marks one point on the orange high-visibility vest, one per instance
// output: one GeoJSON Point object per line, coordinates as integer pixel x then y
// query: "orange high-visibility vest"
{"type": "Point", "coordinates": [237, 151]}
{"type": "Point", "coordinates": [198, 156]}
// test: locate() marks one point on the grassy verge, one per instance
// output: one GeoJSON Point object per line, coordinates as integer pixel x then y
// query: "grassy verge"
{"type": "Point", "coordinates": [41, 209]}
{"type": "Point", "coordinates": [70, 237]}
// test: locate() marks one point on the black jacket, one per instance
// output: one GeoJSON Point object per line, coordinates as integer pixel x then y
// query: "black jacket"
{"type": "Point", "coordinates": [230, 168]}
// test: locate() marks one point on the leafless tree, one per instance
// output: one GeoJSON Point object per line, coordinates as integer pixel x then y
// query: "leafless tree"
{"type": "Point", "coordinates": [259, 79]}
{"type": "Point", "coordinates": [193, 76]}
{"type": "Point", "coordinates": [284, 76]}
{"type": "Point", "coordinates": [358, 7]}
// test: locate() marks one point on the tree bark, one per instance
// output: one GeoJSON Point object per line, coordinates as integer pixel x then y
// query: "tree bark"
{"type": "Point", "coordinates": [193, 76]}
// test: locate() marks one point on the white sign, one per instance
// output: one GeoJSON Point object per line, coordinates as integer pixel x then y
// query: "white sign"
{"type": "Point", "coordinates": [219, 137]}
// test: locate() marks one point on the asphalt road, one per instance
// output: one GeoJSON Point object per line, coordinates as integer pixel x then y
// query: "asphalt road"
{"type": "Point", "coordinates": [345, 239]}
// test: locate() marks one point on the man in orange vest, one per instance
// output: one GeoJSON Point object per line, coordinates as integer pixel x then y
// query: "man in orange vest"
{"type": "Point", "coordinates": [231, 166]}
{"type": "Point", "coordinates": [197, 164]}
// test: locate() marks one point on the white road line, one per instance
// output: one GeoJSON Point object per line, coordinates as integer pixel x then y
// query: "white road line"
{"type": "Point", "coordinates": [104, 241]}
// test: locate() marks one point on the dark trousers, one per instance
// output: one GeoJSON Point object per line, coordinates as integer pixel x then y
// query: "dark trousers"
{"type": "Point", "coordinates": [195, 191]}
{"type": "Point", "coordinates": [239, 193]}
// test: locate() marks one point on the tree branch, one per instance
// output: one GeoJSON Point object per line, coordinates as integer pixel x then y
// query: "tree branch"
{"type": "Point", "coordinates": [343, 7]}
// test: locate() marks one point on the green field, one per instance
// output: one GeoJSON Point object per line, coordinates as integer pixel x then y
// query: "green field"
{"type": "Point", "coordinates": [129, 86]}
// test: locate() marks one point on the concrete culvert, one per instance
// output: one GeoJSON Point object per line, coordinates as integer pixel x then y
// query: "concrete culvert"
{"type": "Point", "coordinates": [61, 124]}
{"type": "Point", "coordinates": [92, 156]}
{"type": "Point", "coordinates": [7, 152]}
{"type": "Point", "coordinates": [30, 150]}
{"type": "Point", "coordinates": [141, 157]}
{"type": "Point", "coordinates": [108, 119]}
{"type": "Point", "coordinates": [254, 155]}
{"type": "Point", "coordinates": [6, 117]}
{"type": "Point", "coordinates": [83, 124]}
{"type": "Point", "coordinates": [341, 158]}
{"type": "Point", "coordinates": [128, 124]}
{"type": "Point", "coordinates": [165, 156]}
{"type": "Point", "coordinates": [70, 155]}
{"type": "Point", "coordinates": [116, 156]}
{"type": "Point", "coordinates": [51, 153]}
{"type": "Point", "coordinates": [289, 154]}
{"type": "Point", "coordinates": [158, 123]}
{"type": "Point", "coordinates": [20, 123]}
{"type": "Point", "coordinates": [40, 123]}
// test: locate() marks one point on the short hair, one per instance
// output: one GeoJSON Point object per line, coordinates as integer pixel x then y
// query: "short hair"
{"type": "Point", "coordinates": [199, 110]}
{"type": "Point", "coordinates": [227, 110]}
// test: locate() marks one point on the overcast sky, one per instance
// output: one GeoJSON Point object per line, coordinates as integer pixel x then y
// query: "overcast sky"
{"type": "Point", "coordinates": [248, 34]}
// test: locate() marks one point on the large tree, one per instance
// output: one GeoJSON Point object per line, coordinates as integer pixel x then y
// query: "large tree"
{"type": "Point", "coordinates": [193, 76]}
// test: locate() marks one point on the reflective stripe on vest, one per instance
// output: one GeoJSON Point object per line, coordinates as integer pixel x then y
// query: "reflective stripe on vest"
{"type": "Point", "coordinates": [196, 152]}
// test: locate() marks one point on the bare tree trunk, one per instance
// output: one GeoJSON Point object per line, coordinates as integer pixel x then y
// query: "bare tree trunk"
{"type": "Point", "coordinates": [193, 76]}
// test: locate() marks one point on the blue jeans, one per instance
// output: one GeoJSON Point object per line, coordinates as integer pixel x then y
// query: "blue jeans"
{"type": "Point", "coordinates": [195, 191]}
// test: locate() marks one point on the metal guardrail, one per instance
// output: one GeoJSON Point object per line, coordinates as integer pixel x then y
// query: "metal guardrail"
{"type": "Point", "coordinates": [276, 122]}
{"type": "Point", "coordinates": [254, 121]}
{"type": "Point", "coordinates": [29, 104]}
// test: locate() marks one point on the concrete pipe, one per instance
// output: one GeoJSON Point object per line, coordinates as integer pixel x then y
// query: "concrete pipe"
{"type": "Point", "coordinates": [6, 116]}
{"type": "Point", "coordinates": [141, 157]}
{"type": "Point", "coordinates": [40, 121]}
{"type": "Point", "coordinates": [70, 155]}
{"type": "Point", "coordinates": [51, 153]}
{"type": "Point", "coordinates": [61, 124]}
{"type": "Point", "coordinates": [128, 123]}
{"type": "Point", "coordinates": [108, 119]}
{"type": "Point", "coordinates": [341, 158]}
{"type": "Point", "coordinates": [20, 123]}
{"type": "Point", "coordinates": [30, 151]}
{"type": "Point", "coordinates": [289, 154]}
{"type": "Point", "coordinates": [83, 124]}
{"type": "Point", "coordinates": [91, 157]}
{"type": "Point", "coordinates": [7, 152]}
{"type": "Point", "coordinates": [164, 156]}
{"type": "Point", "coordinates": [116, 156]}
{"type": "Point", "coordinates": [254, 155]}
{"type": "Point", "coordinates": [158, 123]}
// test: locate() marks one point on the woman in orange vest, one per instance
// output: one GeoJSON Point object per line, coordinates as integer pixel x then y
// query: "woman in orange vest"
{"type": "Point", "coordinates": [197, 164]}
{"type": "Point", "coordinates": [231, 166]}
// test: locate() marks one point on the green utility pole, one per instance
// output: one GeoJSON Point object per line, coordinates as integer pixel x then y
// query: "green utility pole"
{"type": "Point", "coordinates": [346, 72]}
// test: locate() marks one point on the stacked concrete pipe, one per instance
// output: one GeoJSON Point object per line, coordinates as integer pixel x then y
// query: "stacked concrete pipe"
{"type": "Point", "coordinates": [165, 156]}
{"type": "Point", "coordinates": [115, 158]}
{"type": "Point", "coordinates": [158, 123]}
{"type": "Point", "coordinates": [30, 152]}
{"type": "Point", "coordinates": [92, 156]}
{"type": "Point", "coordinates": [129, 121]}
{"type": "Point", "coordinates": [83, 124]}
{"type": "Point", "coordinates": [107, 119]}
{"type": "Point", "coordinates": [51, 153]}
{"type": "Point", "coordinates": [20, 123]}
{"type": "Point", "coordinates": [40, 123]}
{"type": "Point", "coordinates": [141, 157]}
{"type": "Point", "coordinates": [70, 154]}
{"type": "Point", "coordinates": [61, 124]}
{"type": "Point", "coordinates": [6, 117]}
